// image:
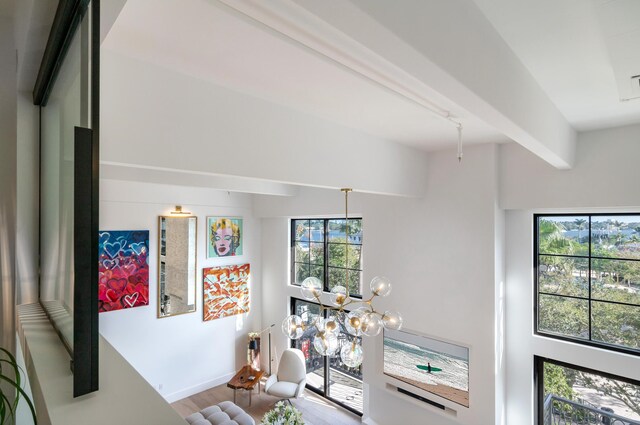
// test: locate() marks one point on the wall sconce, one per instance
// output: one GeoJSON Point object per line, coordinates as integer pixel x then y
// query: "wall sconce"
{"type": "Point", "coordinates": [178, 211]}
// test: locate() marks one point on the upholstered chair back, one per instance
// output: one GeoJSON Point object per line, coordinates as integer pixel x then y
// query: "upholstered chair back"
{"type": "Point", "coordinates": [292, 366]}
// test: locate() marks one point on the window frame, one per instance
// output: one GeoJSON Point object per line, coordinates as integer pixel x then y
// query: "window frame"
{"type": "Point", "coordinates": [325, 392]}
{"type": "Point", "coordinates": [536, 292]}
{"type": "Point", "coordinates": [538, 376]}
{"type": "Point", "coordinates": [325, 242]}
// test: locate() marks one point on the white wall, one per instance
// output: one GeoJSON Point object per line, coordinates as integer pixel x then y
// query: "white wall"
{"type": "Point", "coordinates": [604, 175]}
{"type": "Point", "coordinates": [605, 178]}
{"type": "Point", "coordinates": [181, 123]}
{"type": "Point", "coordinates": [182, 354]}
{"type": "Point", "coordinates": [438, 251]}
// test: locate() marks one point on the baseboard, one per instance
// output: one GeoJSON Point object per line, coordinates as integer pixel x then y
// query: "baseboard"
{"type": "Point", "coordinates": [179, 395]}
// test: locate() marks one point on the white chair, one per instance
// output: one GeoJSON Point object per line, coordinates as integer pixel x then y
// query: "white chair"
{"type": "Point", "coordinates": [291, 378]}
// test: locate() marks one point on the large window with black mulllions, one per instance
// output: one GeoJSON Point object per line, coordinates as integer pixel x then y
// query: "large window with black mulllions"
{"type": "Point", "coordinates": [328, 375]}
{"type": "Point", "coordinates": [329, 249]}
{"type": "Point", "coordinates": [574, 395]}
{"type": "Point", "coordinates": [587, 275]}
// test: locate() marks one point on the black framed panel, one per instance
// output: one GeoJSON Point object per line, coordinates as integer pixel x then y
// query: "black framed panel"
{"type": "Point", "coordinates": [587, 279]}
{"type": "Point", "coordinates": [85, 312]}
{"type": "Point", "coordinates": [68, 93]}
{"type": "Point", "coordinates": [68, 16]}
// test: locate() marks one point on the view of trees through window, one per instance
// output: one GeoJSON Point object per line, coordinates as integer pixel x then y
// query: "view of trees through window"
{"type": "Point", "coordinates": [573, 395]}
{"type": "Point", "coordinates": [588, 279]}
{"type": "Point", "coordinates": [321, 248]}
{"type": "Point", "coordinates": [328, 376]}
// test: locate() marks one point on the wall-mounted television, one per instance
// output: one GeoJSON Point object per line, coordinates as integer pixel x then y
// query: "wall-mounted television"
{"type": "Point", "coordinates": [429, 364]}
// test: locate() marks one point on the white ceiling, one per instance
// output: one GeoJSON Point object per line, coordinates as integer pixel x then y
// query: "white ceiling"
{"type": "Point", "coordinates": [570, 47]}
{"type": "Point", "coordinates": [212, 42]}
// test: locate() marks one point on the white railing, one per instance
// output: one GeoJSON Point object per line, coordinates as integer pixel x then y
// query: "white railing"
{"type": "Point", "coordinates": [560, 411]}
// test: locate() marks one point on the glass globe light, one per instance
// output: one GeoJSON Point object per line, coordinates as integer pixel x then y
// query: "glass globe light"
{"type": "Point", "coordinates": [326, 343]}
{"type": "Point", "coordinates": [380, 286]}
{"type": "Point", "coordinates": [353, 322]}
{"type": "Point", "coordinates": [392, 320]}
{"type": "Point", "coordinates": [351, 354]}
{"type": "Point", "coordinates": [338, 295]}
{"type": "Point", "coordinates": [311, 288]}
{"type": "Point", "coordinates": [371, 324]}
{"type": "Point", "coordinates": [331, 325]}
{"type": "Point", "coordinates": [293, 327]}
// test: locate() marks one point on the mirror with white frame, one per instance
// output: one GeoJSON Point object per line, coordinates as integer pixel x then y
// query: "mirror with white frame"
{"type": "Point", "coordinates": [176, 265]}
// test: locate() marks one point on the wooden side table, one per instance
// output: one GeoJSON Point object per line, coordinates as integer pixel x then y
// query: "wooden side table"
{"type": "Point", "coordinates": [246, 379]}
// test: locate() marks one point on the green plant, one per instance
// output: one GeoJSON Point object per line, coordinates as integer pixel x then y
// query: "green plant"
{"type": "Point", "coordinates": [10, 377]}
{"type": "Point", "coordinates": [282, 414]}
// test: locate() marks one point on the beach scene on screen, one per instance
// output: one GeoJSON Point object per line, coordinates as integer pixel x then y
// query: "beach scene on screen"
{"type": "Point", "coordinates": [434, 366]}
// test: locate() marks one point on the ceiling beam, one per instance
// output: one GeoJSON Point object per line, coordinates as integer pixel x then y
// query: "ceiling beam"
{"type": "Point", "coordinates": [425, 50]}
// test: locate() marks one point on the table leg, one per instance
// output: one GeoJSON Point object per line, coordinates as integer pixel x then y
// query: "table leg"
{"type": "Point", "coordinates": [234, 396]}
{"type": "Point", "coordinates": [250, 392]}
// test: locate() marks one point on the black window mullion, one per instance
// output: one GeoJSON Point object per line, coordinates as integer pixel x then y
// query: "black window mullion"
{"type": "Point", "coordinates": [293, 252]}
{"type": "Point", "coordinates": [325, 225]}
{"type": "Point", "coordinates": [573, 297]}
{"type": "Point", "coordinates": [326, 361]}
{"type": "Point", "coordinates": [590, 274]}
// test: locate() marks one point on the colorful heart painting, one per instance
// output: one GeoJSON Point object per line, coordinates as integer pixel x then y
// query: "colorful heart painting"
{"type": "Point", "coordinates": [226, 291]}
{"type": "Point", "coordinates": [123, 269]}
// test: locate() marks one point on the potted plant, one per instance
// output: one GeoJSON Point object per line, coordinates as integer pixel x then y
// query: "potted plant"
{"type": "Point", "coordinates": [10, 377]}
{"type": "Point", "coordinates": [283, 414]}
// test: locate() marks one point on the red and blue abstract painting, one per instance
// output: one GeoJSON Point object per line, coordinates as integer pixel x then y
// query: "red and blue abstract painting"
{"type": "Point", "coordinates": [123, 269]}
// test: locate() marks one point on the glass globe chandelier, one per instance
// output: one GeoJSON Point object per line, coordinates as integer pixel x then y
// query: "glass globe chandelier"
{"type": "Point", "coordinates": [364, 320]}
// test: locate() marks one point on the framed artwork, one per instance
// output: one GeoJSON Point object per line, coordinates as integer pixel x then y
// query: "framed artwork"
{"type": "Point", "coordinates": [225, 291]}
{"type": "Point", "coordinates": [123, 269]}
{"type": "Point", "coordinates": [224, 237]}
{"type": "Point", "coordinates": [429, 364]}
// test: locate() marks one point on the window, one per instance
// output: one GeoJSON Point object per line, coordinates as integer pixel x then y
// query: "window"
{"type": "Point", "coordinates": [588, 279]}
{"type": "Point", "coordinates": [570, 394]}
{"type": "Point", "coordinates": [327, 375]}
{"type": "Point", "coordinates": [320, 248]}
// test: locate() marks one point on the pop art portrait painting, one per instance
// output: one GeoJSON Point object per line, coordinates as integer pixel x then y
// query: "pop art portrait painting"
{"type": "Point", "coordinates": [224, 237]}
{"type": "Point", "coordinates": [123, 269]}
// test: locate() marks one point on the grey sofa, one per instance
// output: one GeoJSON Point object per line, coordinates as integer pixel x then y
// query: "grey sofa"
{"type": "Point", "coordinates": [225, 413]}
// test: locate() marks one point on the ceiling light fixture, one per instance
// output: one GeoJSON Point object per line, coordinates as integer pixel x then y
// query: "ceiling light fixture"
{"type": "Point", "coordinates": [364, 320]}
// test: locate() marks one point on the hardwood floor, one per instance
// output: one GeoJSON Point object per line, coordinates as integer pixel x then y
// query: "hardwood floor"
{"type": "Point", "coordinates": [315, 409]}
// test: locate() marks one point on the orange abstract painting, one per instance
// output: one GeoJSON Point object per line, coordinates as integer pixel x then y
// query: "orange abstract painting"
{"type": "Point", "coordinates": [226, 291]}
